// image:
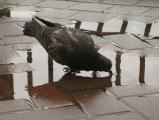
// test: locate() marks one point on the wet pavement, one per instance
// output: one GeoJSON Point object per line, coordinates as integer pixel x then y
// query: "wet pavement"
{"type": "Point", "coordinates": [35, 87]}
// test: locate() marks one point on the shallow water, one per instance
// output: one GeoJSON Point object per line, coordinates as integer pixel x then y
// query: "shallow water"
{"type": "Point", "coordinates": [128, 68]}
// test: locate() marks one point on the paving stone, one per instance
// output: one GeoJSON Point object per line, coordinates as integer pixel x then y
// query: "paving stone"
{"type": "Point", "coordinates": [154, 42]}
{"type": "Point", "coordinates": [20, 2]}
{"type": "Point", "coordinates": [15, 68]}
{"type": "Point", "coordinates": [143, 19]}
{"type": "Point", "coordinates": [127, 41]}
{"type": "Point", "coordinates": [121, 116]}
{"type": "Point", "coordinates": [147, 106]}
{"type": "Point", "coordinates": [128, 10]}
{"type": "Point", "coordinates": [90, 7]}
{"type": "Point", "coordinates": [89, 1]}
{"type": "Point", "coordinates": [10, 29]}
{"type": "Point", "coordinates": [99, 40]}
{"type": "Point", "coordinates": [47, 96]}
{"type": "Point", "coordinates": [152, 12]}
{"type": "Point", "coordinates": [17, 40]}
{"type": "Point", "coordinates": [56, 4]}
{"type": "Point", "coordinates": [98, 103]}
{"type": "Point", "coordinates": [13, 19]}
{"type": "Point", "coordinates": [113, 25]}
{"type": "Point", "coordinates": [148, 52]}
{"type": "Point", "coordinates": [93, 17]}
{"type": "Point", "coordinates": [145, 38]}
{"type": "Point", "coordinates": [52, 13]}
{"type": "Point", "coordinates": [122, 2]}
{"type": "Point", "coordinates": [63, 113]}
{"type": "Point", "coordinates": [71, 82]}
{"type": "Point", "coordinates": [133, 90]}
{"type": "Point", "coordinates": [14, 106]}
{"type": "Point", "coordinates": [150, 3]}
{"type": "Point", "coordinates": [7, 54]}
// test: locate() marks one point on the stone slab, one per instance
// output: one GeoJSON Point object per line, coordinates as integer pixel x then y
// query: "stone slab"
{"type": "Point", "coordinates": [147, 106]}
{"type": "Point", "coordinates": [133, 90]}
{"type": "Point", "coordinates": [47, 96]}
{"type": "Point", "coordinates": [52, 13]}
{"type": "Point", "coordinates": [7, 54]}
{"type": "Point", "coordinates": [154, 42]}
{"type": "Point", "coordinates": [21, 2]}
{"type": "Point", "coordinates": [13, 19]}
{"type": "Point", "coordinates": [98, 103]}
{"type": "Point", "coordinates": [72, 83]}
{"type": "Point", "coordinates": [14, 106]}
{"type": "Point", "coordinates": [142, 19]}
{"type": "Point", "coordinates": [15, 68]}
{"type": "Point", "coordinates": [121, 116]}
{"type": "Point", "coordinates": [89, 1]}
{"type": "Point", "coordinates": [63, 113]}
{"type": "Point", "coordinates": [17, 40]}
{"type": "Point", "coordinates": [150, 3]}
{"type": "Point", "coordinates": [90, 7]}
{"type": "Point", "coordinates": [127, 41]}
{"type": "Point", "coordinates": [127, 10]}
{"type": "Point", "coordinates": [121, 2]}
{"type": "Point", "coordinates": [10, 29]}
{"type": "Point", "coordinates": [99, 40]}
{"type": "Point", "coordinates": [148, 52]}
{"type": "Point", "coordinates": [152, 12]}
{"type": "Point", "coordinates": [93, 17]}
{"type": "Point", "coordinates": [56, 4]}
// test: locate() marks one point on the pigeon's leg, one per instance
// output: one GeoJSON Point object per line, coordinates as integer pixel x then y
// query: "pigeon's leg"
{"type": "Point", "coordinates": [67, 69]}
{"type": "Point", "coordinates": [71, 71]}
{"type": "Point", "coordinates": [110, 72]}
{"type": "Point", "coordinates": [95, 74]}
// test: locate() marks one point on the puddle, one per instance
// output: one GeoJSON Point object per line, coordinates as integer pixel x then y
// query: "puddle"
{"type": "Point", "coordinates": [35, 76]}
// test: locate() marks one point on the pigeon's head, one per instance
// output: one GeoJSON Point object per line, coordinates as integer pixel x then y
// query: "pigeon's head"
{"type": "Point", "coordinates": [103, 63]}
{"type": "Point", "coordinates": [29, 29]}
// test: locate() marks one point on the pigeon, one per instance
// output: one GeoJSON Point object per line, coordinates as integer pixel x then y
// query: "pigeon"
{"type": "Point", "coordinates": [68, 46]}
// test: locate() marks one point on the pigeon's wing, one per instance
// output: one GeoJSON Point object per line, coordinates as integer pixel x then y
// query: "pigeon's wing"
{"type": "Point", "coordinates": [67, 45]}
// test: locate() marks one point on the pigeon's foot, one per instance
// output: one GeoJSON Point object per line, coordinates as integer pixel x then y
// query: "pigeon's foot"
{"type": "Point", "coordinates": [95, 74]}
{"type": "Point", "coordinates": [66, 69]}
{"type": "Point", "coordinates": [70, 71]}
{"type": "Point", "coordinates": [110, 72]}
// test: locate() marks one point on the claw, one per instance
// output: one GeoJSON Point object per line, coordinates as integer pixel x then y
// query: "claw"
{"type": "Point", "coordinates": [71, 71]}
{"type": "Point", "coordinates": [95, 74]}
{"type": "Point", "coordinates": [66, 69]}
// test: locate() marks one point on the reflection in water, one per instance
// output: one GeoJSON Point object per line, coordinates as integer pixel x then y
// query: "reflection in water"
{"type": "Point", "coordinates": [70, 82]}
{"type": "Point", "coordinates": [147, 29]}
{"type": "Point", "coordinates": [142, 70]}
{"type": "Point", "coordinates": [6, 87]}
{"type": "Point", "coordinates": [123, 27]}
{"type": "Point", "coordinates": [118, 70]}
{"type": "Point", "coordinates": [50, 69]}
{"type": "Point", "coordinates": [29, 73]}
{"type": "Point", "coordinates": [29, 56]}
